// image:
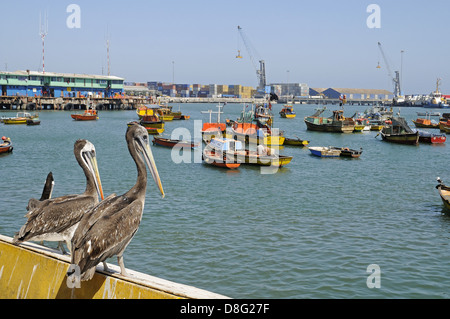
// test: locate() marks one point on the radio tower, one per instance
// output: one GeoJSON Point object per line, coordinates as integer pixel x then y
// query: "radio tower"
{"type": "Point", "coordinates": [43, 30]}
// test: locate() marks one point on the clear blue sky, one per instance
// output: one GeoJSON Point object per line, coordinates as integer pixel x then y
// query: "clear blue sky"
{"type": "Point", "coordinates": [323, 43]}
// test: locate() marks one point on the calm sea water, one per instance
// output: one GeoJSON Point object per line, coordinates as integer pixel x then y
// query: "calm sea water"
{"type": "Point", "coordinates": [309, 231]}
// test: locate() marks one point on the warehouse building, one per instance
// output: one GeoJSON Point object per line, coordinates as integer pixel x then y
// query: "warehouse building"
{"type": "Point", "coordinates": [358, 94]}
{"type": "Point", "coordinates": [290, 89]}
{"type": "Point", "coordinates": [32, 83]}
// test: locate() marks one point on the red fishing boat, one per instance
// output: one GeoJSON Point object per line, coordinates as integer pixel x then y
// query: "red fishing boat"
{"type": "Point", "coordinates": [6, 145]}
{"type": "Point", "coordinates": [88, 115]}
{"type": "Point", "coordinates": [432, 138]}
{"type": "Point", "coordinates": [173, 143]}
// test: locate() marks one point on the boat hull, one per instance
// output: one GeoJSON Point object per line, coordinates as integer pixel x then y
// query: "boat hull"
{"type": "Point", "coordinates": [407, 138]}
{"type": "Point", "coordinates": [287, 115]}
{"type": "Point", "coordinates": [321, 124]}
{"type": "Point", "coordinates": [324, 152]}
{"type": "Point", "coordinates": [81, 117]}
{"type": "Point", "coordinates": [423, 125]}
{"type": "Point", "coordinates": [444, 193]}
{"type": "Point", "coordinates": [295, 142]}
{"type": "Point", "coordinates": [250, 158]}
{"type": "Point", "coordinates": [6, 149]}
{"type": "Point", "coordinates": [15, 121]}
{"type": "Point", "coordinates": [219, 160]}
{"type": "Point", "coordinates": [425, 137]}
{"type": "Point", "coordinates": [173, 143]}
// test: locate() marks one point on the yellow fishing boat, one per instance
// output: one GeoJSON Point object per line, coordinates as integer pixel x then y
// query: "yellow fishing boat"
{"type": "Point", "coordinates": [21, 118]}
{"type": "Point", "coordinates": [444, 193]}
{"type": "Point", "coordinates": [287, 112]}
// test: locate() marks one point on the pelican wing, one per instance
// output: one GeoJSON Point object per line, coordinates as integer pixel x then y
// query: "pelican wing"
{"type": "Point", "coordinates": [55, 215]}
{"type": "Point", "coordinates": [108, 235]}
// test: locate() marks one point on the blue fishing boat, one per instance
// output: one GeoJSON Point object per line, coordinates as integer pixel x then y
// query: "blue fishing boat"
{"type": "Point", "coordinates": [323, 151]}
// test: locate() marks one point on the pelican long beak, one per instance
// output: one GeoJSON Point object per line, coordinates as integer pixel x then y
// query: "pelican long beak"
{"type": "Point", "coordinates": [94, 169]}
{"type": "Point", "coordinates": [148, 155]}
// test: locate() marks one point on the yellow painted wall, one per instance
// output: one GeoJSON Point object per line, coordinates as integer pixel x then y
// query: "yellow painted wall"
{"type": "Point", "coordinates": [29, 271]}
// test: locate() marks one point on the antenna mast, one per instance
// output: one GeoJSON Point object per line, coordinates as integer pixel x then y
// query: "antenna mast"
{"type": "Point", "coordinates": [43, 31]}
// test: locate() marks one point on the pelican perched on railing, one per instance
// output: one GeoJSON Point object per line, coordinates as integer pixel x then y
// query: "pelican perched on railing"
{"type": "Point", "coordinates": [55, 219]}
{"type": "Point", "coordinates": [108, 228]}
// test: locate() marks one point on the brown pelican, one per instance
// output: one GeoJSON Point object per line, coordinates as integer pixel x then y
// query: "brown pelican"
{"type": "Point", "coordinates": [55, 219]}
{"type": "Point", "coordinates": [108, 228]}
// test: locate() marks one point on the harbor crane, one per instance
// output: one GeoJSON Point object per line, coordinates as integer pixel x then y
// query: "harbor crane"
{"type": "Point", "coordinates": [396, 79]}
{"type": "Point", "coordinates": [261, 72]}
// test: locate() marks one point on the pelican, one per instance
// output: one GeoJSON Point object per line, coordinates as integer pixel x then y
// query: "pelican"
{"type": "Point", "coordinates": [55, 219]}
{"type": "Point", "coordinates": [108, 228]}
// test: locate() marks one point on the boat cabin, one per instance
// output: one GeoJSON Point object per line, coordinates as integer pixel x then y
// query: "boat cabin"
{"type": "Point", "coordinates": [226, 145]}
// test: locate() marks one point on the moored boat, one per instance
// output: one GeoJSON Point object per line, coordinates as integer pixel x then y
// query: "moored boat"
{"type": "Point", "coordinates": [20, 118]}
{"type": "Point", "coordinates": [444, 126]}
{"type": "Point", "coordinates": [221, 153]}
{"type": "Point", "coordinates": [87, 115]}
{"type": "Point", "coordinates": [235, 153]}
{"type": "Point", "coordinates": [255, 133]}
{"type": "Point", "coordinates": [348, 152]}
{"type": "Point", "coordinates": [432, 138]}
{"type": "Point", "coordinates": [323, 151]}
{"type": "Point", "coordinates": [287, 112]}
{"type": "Point", "coordinates": [173, 143]}
{"type": "Point", "coordinates": [212, 129]}
{"type": "Point", "coordinates": [6, 145]}
{"type": "Point", "coordinates": [426, 122]}
{"type": "Point", "coordinates": [444, 193]}
{"type": "Point", "coordinates": [33, 121]}
{"type": "Point", "coordinates": [337, 123]}
{"type": "Point", "coordinates": [153, 124]}
{"type": "Point", "coordinates": [376, 125]}
{"type": "Point", "coordinates": [295, 141]}
{"type": "Point", "coordinates": [398, 131]}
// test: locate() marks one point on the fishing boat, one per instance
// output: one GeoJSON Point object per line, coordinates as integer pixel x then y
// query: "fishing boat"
{"type": "Point", "coordinates": [87, 115]}
{"type": "Point", "coordinates": [165, 113]}
{"type": "Point", "coordinates": [444, 193]}
{"type": "Point", "coordinates": [33, 121]}
{"type": "Point", "coordinates": [361, 124]}
{"type": "Point", "coordinates": [6, 145]}
{"type": "Point", "coordinates": [444, 126]}
{"type": "Point", "coordinates": [432, 138]}
{"type": "Point", "coordinates": [323, 151]}
{"type": "Point", "coordinates": [263, 113]}
{"type": "Point", "coordinates": [287, 112]}
{"type": "Point", "coordinates": [376, 125]}
{"type": "Point", "coordinates": [20, 118]}
{"type": "Point", "coordinates": [295, 141]}
{"type": "Point", "coordinates": [145, 110]}
{"type": "Point", "coordinates": [212, 129]}
{"type": "Point", "coordinates": [235, 153]}
{"type": "Point", "coordinates": [426, 122]}
{"type": "Point", "coordinates": [255, 133]}
{"type": "Point", "coordinates": [153, 124]}
{"type": "Point", "coordinates": [348, 152]}
{"type": "Point", "coordinates": [173, 143]}
{"type": "Point", "coordinates": [254, 130]}
{"type": "Point", "coordinates": [220, 152]}
{"type": "Point", "coordinates": [337, 123]}
{"type": "Point", "coordinates": [399, 132]}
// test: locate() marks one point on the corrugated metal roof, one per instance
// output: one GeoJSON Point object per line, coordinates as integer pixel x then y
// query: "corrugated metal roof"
{"type": "Point", "coordinates": [67, 75]}
{"type": "Point", "coordinates": [360, 91]}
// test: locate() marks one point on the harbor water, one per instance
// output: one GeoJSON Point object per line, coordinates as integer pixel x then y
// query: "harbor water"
{"type": "Point", "coordinates": [316, 228]}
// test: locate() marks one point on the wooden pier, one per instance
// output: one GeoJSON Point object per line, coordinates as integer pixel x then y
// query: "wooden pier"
{"type": "Point", "coordinates": [69, 103]}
